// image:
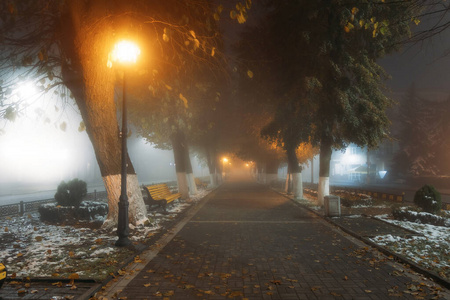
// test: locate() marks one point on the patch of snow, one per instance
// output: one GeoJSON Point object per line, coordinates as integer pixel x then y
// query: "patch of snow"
{"type": "Point", "coordinates": [102, 252]}
{"type": "Point", "coordinates": [36, 249]}
{"type": "Point", "coordinates": [429, 249]}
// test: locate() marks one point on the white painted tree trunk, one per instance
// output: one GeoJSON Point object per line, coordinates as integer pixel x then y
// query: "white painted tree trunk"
{"type": "Point", "coordinates": [212, 180]}
{"type": "Point", "coordinates": [286, 185]}
{"type": "Point", "coordinates": [323, 189]}
{"type": "Point", "coordinates": [272, 178]}
{"type": "Point", "coordinates": [183, 188]}
{"type": "Point", "coordinates": [137, 212]}
{"type": "Point", "coordinates": [192, 185]}
{"type": "Point", "coordinates": [262, 177]}
{"type": "Point", "coordinates": [297, 185]}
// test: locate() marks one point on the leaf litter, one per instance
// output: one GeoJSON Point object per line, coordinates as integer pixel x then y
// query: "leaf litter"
{"type": "Point", "coordinates": [31, 248]}
{"type": "Point", "coordinates": [430, 249]}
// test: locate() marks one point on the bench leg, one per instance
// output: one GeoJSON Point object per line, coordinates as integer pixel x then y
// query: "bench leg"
{"type": "Point", "coordinates": [164, 205]}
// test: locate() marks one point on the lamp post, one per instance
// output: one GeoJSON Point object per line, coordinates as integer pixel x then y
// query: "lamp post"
{"type": "Point", "coordinates": [124, 53]}
{"type": "Point", "coordinates": [224, 161]}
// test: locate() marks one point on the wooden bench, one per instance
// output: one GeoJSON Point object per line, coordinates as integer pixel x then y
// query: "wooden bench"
{"type": "Point", "coordinates": [159, 194]}
{"type": "Point", "coordinates": [200, 183]}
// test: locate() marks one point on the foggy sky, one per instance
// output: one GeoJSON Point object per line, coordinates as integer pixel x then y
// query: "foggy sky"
{"type": "Point", "coordinates": [425, 64]}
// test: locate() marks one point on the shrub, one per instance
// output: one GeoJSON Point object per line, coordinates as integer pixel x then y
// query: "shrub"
{"type": "Point", "coordinates": [428, 198]}
{"type": "Point", "coordinates": [71, 193]}
{"type": "Point", "coordinates": [419, 217]}
{"type": "Point", "coordinates": [351, 199]}
{"type": "Point", "coordinates": [88, 211]}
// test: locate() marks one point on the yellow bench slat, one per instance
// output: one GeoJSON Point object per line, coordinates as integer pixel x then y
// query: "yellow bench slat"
{"type": "Point", "coordinates": [161, 192]}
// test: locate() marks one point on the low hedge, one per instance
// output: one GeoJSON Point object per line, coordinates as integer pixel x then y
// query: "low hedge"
{"type": "Point", "coordinates": [350, 199]}
{"type": "Point", "coordinates": [87, 211]}
{"type": "Point", "coordinates": [420, 217]}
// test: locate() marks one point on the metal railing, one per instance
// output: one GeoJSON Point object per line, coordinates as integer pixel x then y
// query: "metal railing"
{"type": "Point", "coordinates": [32, 206]}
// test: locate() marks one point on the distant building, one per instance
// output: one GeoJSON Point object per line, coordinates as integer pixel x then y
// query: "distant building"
{"type": "Point", "coordinates": [359, 165]}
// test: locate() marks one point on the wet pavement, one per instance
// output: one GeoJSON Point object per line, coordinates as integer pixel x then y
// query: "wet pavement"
{"type": "Point", "coordinates": [246, 241]}
{"type": "Point", "coordinates": [370, 227]}
{"type": "Point", "coordinates": [49, 290]}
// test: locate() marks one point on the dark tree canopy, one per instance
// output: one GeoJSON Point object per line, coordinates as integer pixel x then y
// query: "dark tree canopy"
{"type": "Point", "coordinates": [326, 52]}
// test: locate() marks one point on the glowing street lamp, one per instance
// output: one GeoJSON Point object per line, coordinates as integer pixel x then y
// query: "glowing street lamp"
{"type": "Point", "coordinates": [224, 161]}
{"type": "Point", "coordinates": [125, 53]}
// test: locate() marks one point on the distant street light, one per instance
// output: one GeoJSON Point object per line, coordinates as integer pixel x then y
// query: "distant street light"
{"type": "Point", "coordinates": [125, 53]}
{"type": "Point", "coordinates": [224, 161]}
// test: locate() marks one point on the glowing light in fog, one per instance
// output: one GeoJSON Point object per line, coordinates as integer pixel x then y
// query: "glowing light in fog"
{"type": "Point", "coordinates": [125, 52]}
{"type": "Point", "coordinates": [352, 159]}
{"type": "Point", "coordinates": [26, 90]}
{"type": "Point", "coordinates": [382, 174]}
{"type": "Point", "coordinates": [32, 150]}
{"type": "Point", "coordinates": [35, 157]}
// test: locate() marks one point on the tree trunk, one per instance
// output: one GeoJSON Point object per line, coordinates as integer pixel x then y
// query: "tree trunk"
{"type": "Point", "coordinates": [261, 173]}
{"type": "Point", "coordinates": [92, 85]}
{"type": "Point", "coordinates": [287, 187]}
{"type": "Point", "coordinates": [324, 171]}
{"type": "Point", "coordinates": [189, 173]}
{"type": "Point", "coordinates": [272, 171]}
{"type": "Point", "coordinates": [210, 154]}
{"type": "Point", "coordinates": [180, 163]}
{"type": "Point", "coordinates": [368, 179]}
{"type": "Point", "coordinates": [298, 185]}
{"type": "Point", "coordinates": [296, 172]}
{"type": "Point", "coordinates": [218, 168]}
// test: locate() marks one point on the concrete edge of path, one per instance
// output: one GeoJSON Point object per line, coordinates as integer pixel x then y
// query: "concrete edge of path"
{"type": "Point", "coordinates": [430, 274]}
{"type": "Point", "coordinates": [115, 285]}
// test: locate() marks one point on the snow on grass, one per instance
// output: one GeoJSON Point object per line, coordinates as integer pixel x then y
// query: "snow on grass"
{"type": "Point", "coordinates": [31, 248]}
{"type": "Point", "coordinates": [430, 249]}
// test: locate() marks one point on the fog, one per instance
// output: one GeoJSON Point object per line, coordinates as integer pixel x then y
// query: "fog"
{"type": "Point", "coordinates": [39, 150]}
{"type": "Point", "coordinates": [43, 146]}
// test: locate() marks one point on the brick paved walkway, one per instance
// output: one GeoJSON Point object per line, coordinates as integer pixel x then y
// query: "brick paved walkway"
{"type": "Point", "coordinates": [248, 242]}
{"type": "Point", "coordinates": [44, 290]}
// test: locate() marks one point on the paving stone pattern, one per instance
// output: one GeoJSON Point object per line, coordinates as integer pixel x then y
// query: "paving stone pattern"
{"type": "Point", "coordinates": [47, 290]}
{"type": "Point", "coordinates": [249, 242]}
{"type": "Point", "coordinates": [369, 227]}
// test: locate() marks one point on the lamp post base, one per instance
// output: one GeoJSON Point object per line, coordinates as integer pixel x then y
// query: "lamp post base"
{"type": "Point", "coordinates": [123, 242]}
{"type": "Point", "coordinates": [123, 231]}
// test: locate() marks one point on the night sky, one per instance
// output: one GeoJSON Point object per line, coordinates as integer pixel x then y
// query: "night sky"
{"type": "Point", "coordinates": [425, 64]}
